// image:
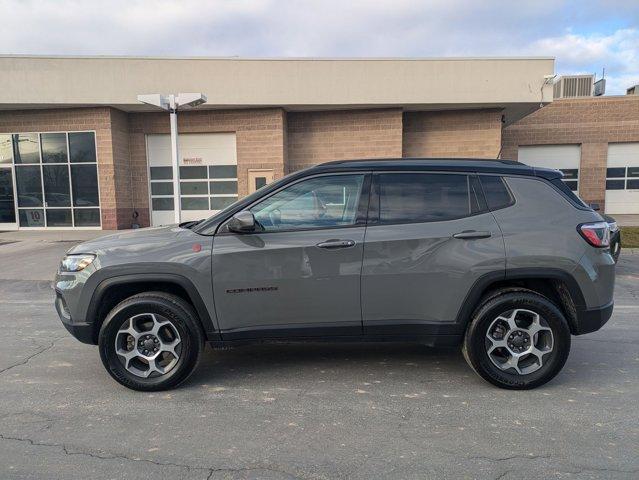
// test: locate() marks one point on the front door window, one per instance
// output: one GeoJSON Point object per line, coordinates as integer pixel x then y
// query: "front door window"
{"type": "Point", "coordinates": [322, 202]}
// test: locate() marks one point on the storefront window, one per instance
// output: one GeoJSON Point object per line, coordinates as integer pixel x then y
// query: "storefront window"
{"type": "Point", "coordinates": [6, 149]}
{"type": "Point", "coordinates": [25, 148]}
{"type": "Point", "coordinates": [56, 178]}
{"type": "Point", "coordinates": [54, 147]}
{"type": "Point", "coordinates": [82, 147]}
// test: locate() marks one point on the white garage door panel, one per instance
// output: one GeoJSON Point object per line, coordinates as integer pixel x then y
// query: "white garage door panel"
{"type": "Point", "coordinates": [551, 156]}
{"type": "Point", "coordinates": [208, 175]}
{"type": "Point", "coordinates": [623, 200]}
{"type": "Point", "coordinates": [562, 157]}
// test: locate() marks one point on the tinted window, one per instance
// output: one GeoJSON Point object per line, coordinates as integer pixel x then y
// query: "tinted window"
{"type": "Point", "coordinates": [223, 171]}
{"type": "Point", "coordinates": [29, 185]}
{"type": "Point", "coordinates": [82, 147]}
{"type": "Point", "coordinates": [25, 148]}
{"type": "Point", "coordinates": [192, 172]}
{"type": "Point", "coordinates": [320, 202]}
{"type": "Point", "coordinates": [84, 186]}
{"type": "Point", "coordinates": [56, 186]}
{"type": "Point", "coordinates": [616, 172]}
{"type": "Point", "coordinates": [86, 217]}
{"type": "Point", "coordinates": [161, 173]}
{"type": "Point", "coordinates": [423, 197]}
{"type": "Point", "coordinates": [54, 148]}
{"type": "Point", "coordinates": [496, 192]}
{"type": "Point", "coordinates": [6, 149]}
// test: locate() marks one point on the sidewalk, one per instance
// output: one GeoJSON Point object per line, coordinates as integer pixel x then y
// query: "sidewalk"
{"type": "Point", "coordinates": [624, 220]}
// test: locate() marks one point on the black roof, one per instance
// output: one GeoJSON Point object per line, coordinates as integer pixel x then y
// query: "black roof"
{"type": "Point", "coordinates": [509, 167]}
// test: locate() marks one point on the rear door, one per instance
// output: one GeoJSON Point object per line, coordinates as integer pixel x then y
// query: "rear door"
{"type": "Point", "coordinates": [429, 238]}
{"type": "Point", "coordinates": [301, 274]}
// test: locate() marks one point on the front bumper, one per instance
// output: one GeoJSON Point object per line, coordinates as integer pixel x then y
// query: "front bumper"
{"type": "Point", "coordinates": [81, 331]}
{"type": "Point", "coordinates": [593, 319]}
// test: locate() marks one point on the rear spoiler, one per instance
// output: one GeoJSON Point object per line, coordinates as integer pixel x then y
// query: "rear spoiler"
{"type": "Point", "coordinates": [547, 173]}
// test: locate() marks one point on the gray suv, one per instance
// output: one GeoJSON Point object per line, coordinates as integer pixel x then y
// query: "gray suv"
{"type": "Point", "coordinates": [496, 256]}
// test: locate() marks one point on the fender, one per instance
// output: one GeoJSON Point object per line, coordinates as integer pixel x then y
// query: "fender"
{"type": "Point", "coordinates": [484, 282]}
{"type": "Point", "coordinates": [103, 284]}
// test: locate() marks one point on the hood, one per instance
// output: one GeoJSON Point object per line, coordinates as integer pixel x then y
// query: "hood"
{"type": "Point", "coordinates": [139, 237]}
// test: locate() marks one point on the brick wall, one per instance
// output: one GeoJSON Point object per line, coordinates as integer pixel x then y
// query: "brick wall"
{"type": "Point", "coordinates": [590, 122]}
{"type": "Point", "coordinates": [259, 135]}
{"type": "Point", "coordinates": [461, 133]}
{"type": "Point", "coordinates": [112, 154]}
{"type": "Point", "coordinates": [317, 137]}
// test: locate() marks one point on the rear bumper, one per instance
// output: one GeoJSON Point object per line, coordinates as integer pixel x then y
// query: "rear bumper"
{"type": "Point", "coordinates": [593, 319]}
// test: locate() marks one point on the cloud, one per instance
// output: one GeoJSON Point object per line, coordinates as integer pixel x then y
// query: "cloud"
{"type": "Point", "coordinates": [584, 36]}
{"type": "Point", "coordinates": [618, 53]}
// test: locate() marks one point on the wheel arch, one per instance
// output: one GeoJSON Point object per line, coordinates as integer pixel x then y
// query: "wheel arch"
{"type": "Point", "coordinates": [112, 291]}
{"type": "Point", "coordinates": [557, 285]}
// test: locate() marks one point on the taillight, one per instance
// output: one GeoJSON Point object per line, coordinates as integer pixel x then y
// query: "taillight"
{"type": "Point", "coordinates": [596, 234]}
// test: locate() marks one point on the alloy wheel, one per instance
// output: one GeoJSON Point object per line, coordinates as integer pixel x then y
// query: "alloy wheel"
{"type": "Point", "coordinates": [148, 345]}
{"type": "Point", "coordinates": [519, 340]}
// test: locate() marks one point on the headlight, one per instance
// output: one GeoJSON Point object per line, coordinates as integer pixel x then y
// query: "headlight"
{"type": "Point", "coordinates": [76, 263]}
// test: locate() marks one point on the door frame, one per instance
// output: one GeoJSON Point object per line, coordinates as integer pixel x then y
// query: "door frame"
{"type": "Point", "coordinates": [11, 226]}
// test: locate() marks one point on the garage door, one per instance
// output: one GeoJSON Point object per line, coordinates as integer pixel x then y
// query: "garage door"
{"type": "Point", "coordinates": [208, 175]}
{"type": "Point", "coordinates": [622, 178]}
{"type": "Point", "coordinates": [562, 157]}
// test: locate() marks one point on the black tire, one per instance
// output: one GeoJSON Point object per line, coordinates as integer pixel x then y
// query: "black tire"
{"type": "Point", "coordinates": [474, 345]}
{"type": "Point", "coordinates": [163, 305]}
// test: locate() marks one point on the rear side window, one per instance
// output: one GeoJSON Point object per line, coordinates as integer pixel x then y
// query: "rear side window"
{"type": "Point", "coordinates": [425, 197]}
{"type": "Point", "coordinates": [497, 194]}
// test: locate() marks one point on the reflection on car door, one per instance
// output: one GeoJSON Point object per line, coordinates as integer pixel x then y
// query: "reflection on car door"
{"type": "Point", "coordinates": [430, 237]}
{"type": "Point", "coordinates": [301, 275]}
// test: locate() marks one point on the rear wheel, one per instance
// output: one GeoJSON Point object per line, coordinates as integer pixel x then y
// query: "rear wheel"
{"type": "Point", "coordinates": [517, 340]}
{"type": "Point", "coordinates": [151, 341]}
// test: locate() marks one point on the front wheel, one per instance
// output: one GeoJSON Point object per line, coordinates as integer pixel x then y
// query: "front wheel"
{"type": "Point", "coordinates": [517, 340]}
{"type": "Point", "coordinates": [151, 341]}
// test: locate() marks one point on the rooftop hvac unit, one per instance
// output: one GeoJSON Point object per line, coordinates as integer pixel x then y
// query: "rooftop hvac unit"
{"type": "Point", "coordinates": [633, 90]}
{"type": "Point", "coordinates": [574, 86]}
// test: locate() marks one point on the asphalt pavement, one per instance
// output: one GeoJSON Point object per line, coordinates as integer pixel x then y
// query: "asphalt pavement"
{"type": "Point", "coordinates": [318, 411]}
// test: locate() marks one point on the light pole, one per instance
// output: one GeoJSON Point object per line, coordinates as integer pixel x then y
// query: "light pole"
{"type": "Point", "coordinates": [171, 103]}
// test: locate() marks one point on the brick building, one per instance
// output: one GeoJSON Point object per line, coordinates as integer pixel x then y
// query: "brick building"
{"type": "Point", "coordinates": [595, 140]}
{"type": "Point", "coordinates": [77, 150]}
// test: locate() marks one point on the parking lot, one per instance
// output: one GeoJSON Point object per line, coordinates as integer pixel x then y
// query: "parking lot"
{"type": "Point", "coordinates": [318, 411]}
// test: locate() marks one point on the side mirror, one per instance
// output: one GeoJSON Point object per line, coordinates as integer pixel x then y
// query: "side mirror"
{"type": "Point", "coordinates": [242, 222]}
{"type": "Point", "coordinates": [595, 207]}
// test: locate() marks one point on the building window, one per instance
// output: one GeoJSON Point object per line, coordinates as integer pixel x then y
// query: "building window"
{"type": "Point", "coordinates": [56, 179]}
{"type": "Point", "coordinates": [622, 178]}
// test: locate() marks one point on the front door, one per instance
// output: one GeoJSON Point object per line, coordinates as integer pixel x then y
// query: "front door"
{"type": "Point", "coordinates": [7, 200]}
{"type": "Point", "coordinates": [300, 275]}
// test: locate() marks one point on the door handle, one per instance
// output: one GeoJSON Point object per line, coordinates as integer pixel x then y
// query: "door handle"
{"type": "Point", "coordinates": [472, 234]}
{"type": "Point", "coordinates": [334, 244]}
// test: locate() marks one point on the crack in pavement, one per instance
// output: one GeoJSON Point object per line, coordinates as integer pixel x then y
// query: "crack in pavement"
{"type": "Point", "coordinates": [27, 359]}
{"type": "Point", "coordinates": [66, 450]}
{"type": "Point", "coordinates": [512, 457]}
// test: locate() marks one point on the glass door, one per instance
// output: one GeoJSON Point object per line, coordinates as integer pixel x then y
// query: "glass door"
{"type": "Point", "coordinates": [7, 200]}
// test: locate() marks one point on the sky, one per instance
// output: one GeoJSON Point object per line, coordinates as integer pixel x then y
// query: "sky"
{"type": "Point", "coordinates": [584, 36]}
